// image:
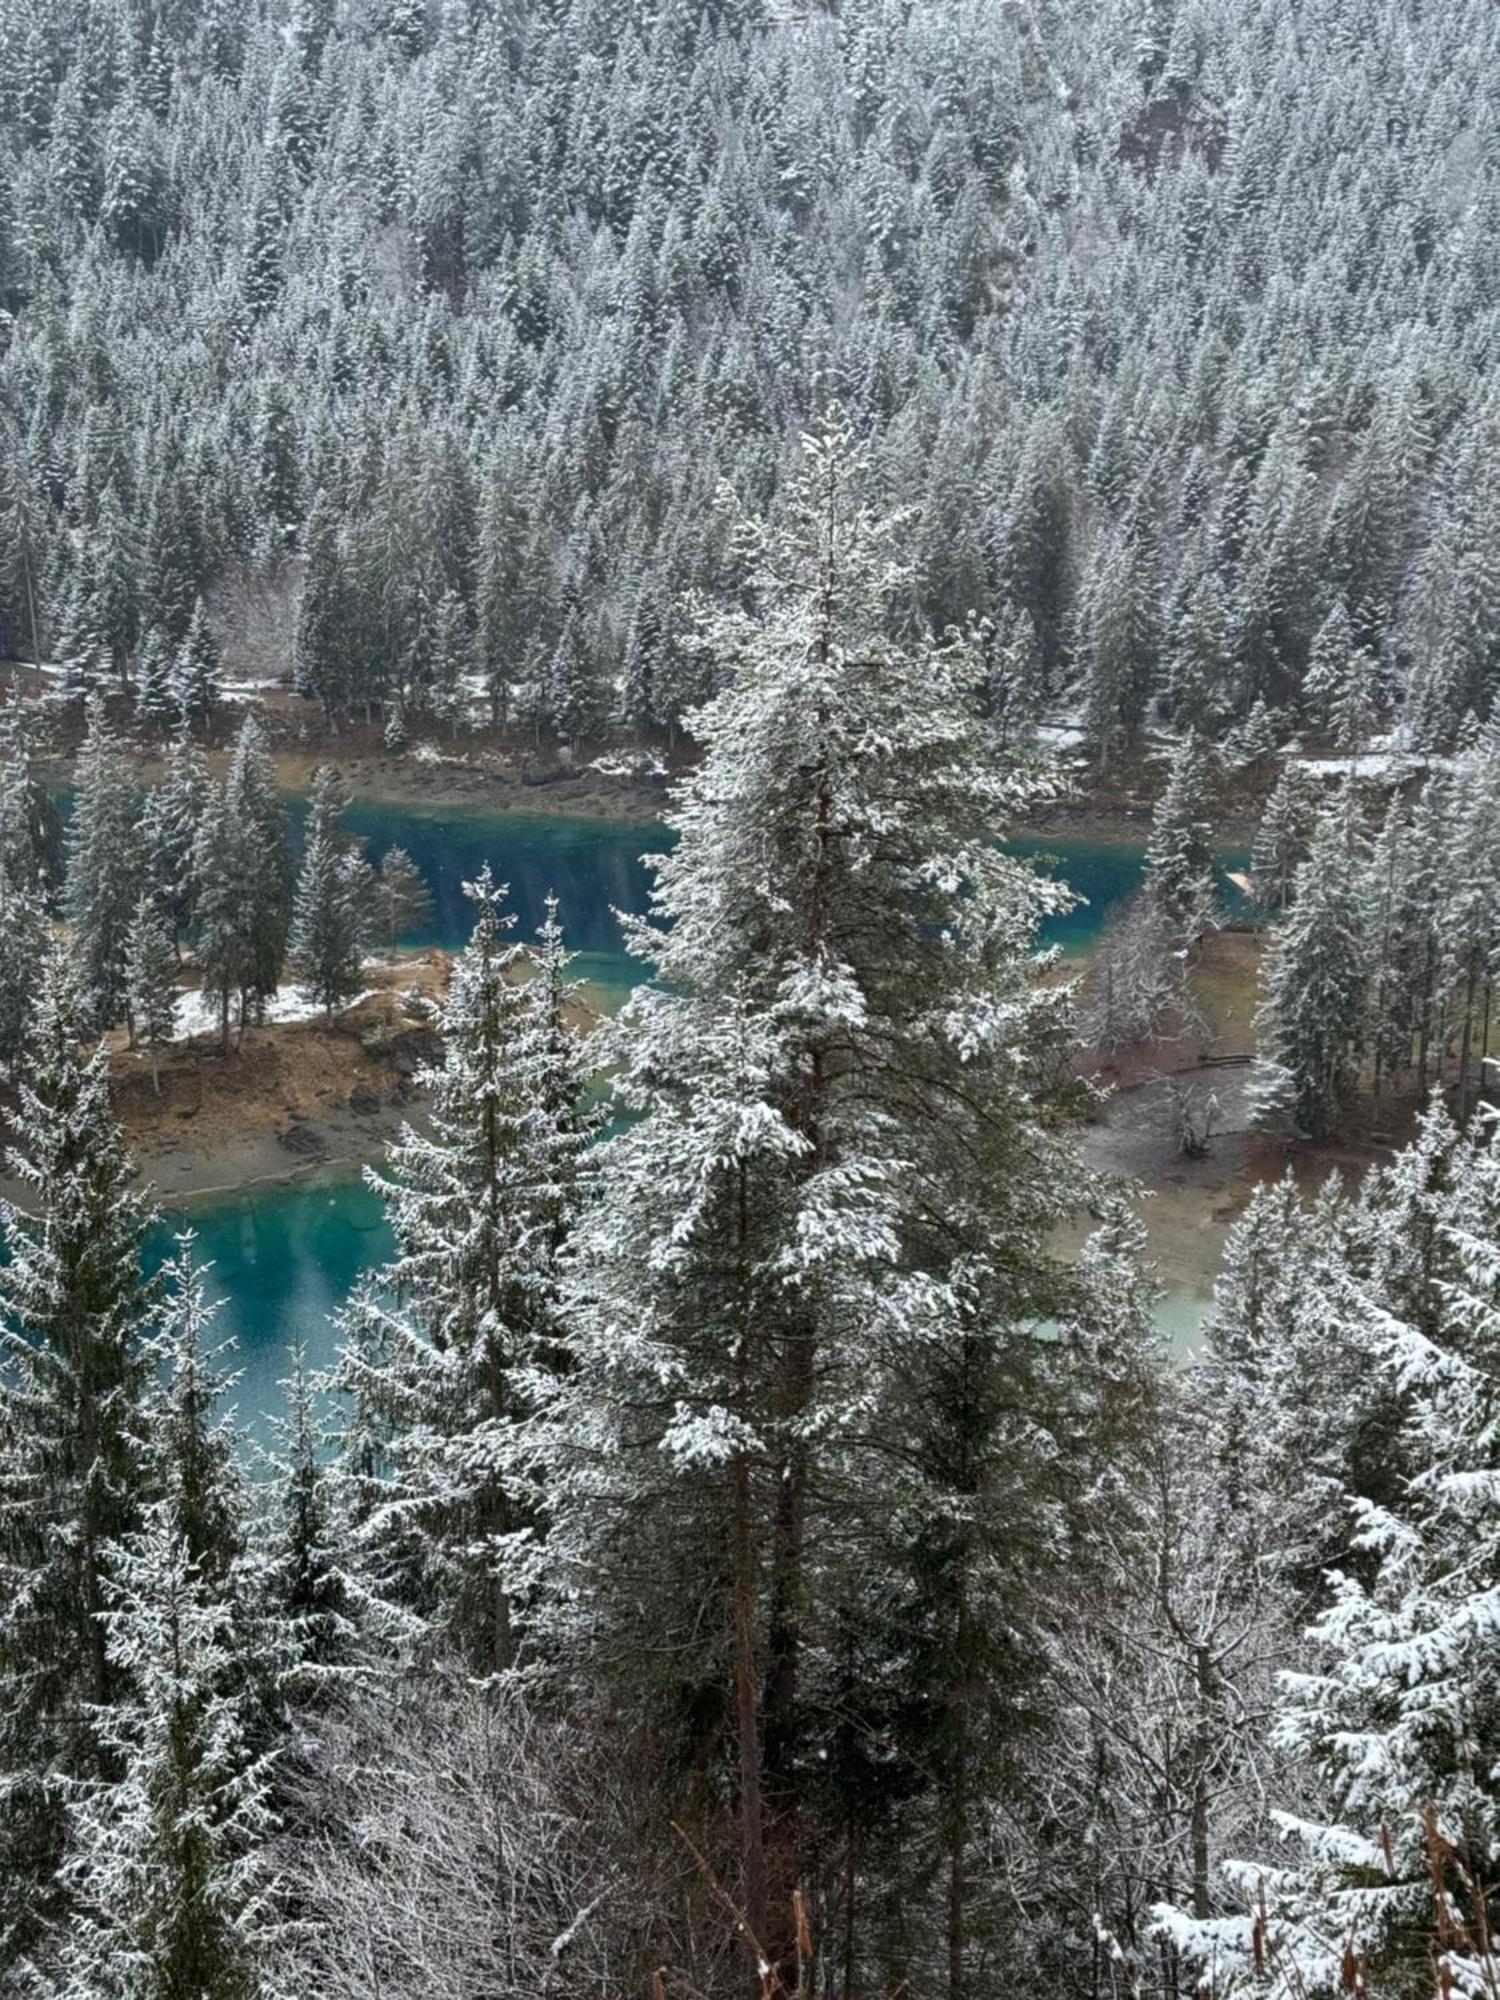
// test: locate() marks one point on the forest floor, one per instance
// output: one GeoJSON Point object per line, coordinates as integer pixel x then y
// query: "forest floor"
{"type": "Point", "coordinates": [1189, 1204]}
{"type": "Point", "coordinates": [289, 1095]}
{"type": "Point", "coordinates": [292, 1094]}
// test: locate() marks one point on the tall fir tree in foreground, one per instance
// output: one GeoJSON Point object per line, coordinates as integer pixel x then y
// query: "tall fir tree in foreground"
{"type": "Point", "coordinates": [103, 869]}
{"type": "Point", "coordinates": [449, 1377]}
{"type": "Point", "coordinates": [73, 1469]}
{"type": "Point", "coordinates": [804, 1311]}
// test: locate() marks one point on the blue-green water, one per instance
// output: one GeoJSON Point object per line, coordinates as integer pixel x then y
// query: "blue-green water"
{"type": "Point", "coordinates": [285, 1255]}
{"type": "Point", "coordinates": [594, 869]}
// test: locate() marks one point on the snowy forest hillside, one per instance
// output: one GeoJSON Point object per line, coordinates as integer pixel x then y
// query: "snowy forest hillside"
{"type": "Point", "coordinates": [750, 1534]}
{"type": "Point", "coordinates": [445, 323]}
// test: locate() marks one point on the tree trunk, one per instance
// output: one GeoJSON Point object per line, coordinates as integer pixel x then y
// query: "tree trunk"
{"type": "Point", "coordinates": [752, 1823]}
{"type": "Point", "coordinates": [1202, 1743]}
{"type": "Point", "coordinates": [958, 1816]}
{"type": "Point", "coordinates": [1466, 1050]}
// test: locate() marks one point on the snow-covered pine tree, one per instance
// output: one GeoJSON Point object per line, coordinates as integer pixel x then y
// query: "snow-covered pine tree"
{"type": "Point", "coordinates": [196, 670]}
{"type": "Point", "coordinates": [1392, 1888]}
{"type": "Point", "coordinates": [103, 869]}
{"type": "Point", "coordinates": [218, 909]}
{"type": "Point", "coordinates": [330, 913]}
{"type": "Point", "coordinates": [169, 1867]}
{"type": "Point", "coordinates": [453, 655]}
{"type": "Point", "coordinates": [1179, 862]}
{"type": "Point", "coordinates": [72, 1445]}
{"type": "Point", "coordinates": [195, 1468]}
{"type": "Point", "coordinates": [255, 813]}
{"type": "Point", "coordinates": [1280, 843]}
{"type": "Point", "coordinates": [30, 827]}
{"type": "Point", "coordinates": [1469, 911]}
{"type": "Point", "coordinates": [402, 899]}
{"type": "Point", "coordinates": [170, 819]}
{"type": "Point", "coordinates": [321, 656]}
{"type": "Point", "coordinates": [1312, 1024]}
{"type": "Point", "coordinates": [1017, 675]}
{"type": "Point", "coordinates": [1340, 682]}
{"type": "Point", "coordinates": [243, 875]}
{"type": "Point", "coordinates": [24, 944]}
{"type": "Point", "coordinates": [150, 985]}
{"type": "Point", "coordinates": [1256, 741]}
{"type": "Point", "coordinates": [156, 697]}
{"type": "Point", "coordinates": [310, 1596]}
{"type": "Point", "coordinates": [448, 1376]}
{"type": "Point", "coordinates": [837, 1195]}
{"type": "Point", "coordinates": [577, 699]}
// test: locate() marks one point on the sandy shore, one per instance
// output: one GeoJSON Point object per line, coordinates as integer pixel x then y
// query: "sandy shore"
{"type": "Point", "coordinates": [230, 1165]}
{"type": "Point", "coordinates": [479, 783]}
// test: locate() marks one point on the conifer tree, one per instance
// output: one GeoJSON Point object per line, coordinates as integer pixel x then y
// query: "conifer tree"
{"type": "Point", "coordinates": [150, 985]}
{"type": "Point", "coordinates": [320, 651]}
{"type": "Point", "coordinates": [24, 945]}
{"type": "Point", "coordinates": [449, 1377]}
{"type": "Point", "coordinates": [218, 908]}
{"type": "Point", "coordinates": [194, 1447]}
{"type": "Point", "coordinates": [1312, 1025]}
{"type": "Point", "coordinates": [30, 828]}
{"type": "Point", "coordinates": [195, 671]}
{"type": "Point", "coordinates": [157, 701]}
{"type": "Point", "coordinates": [402, 899]}
{"type": "Point", "coordinates": [1389, 1887]}
{"type": "Point", "coordinates": [170, 818]}
{"type": "Point", "coordinates": [102, 882]}
{"type": "Point", "coordinates": [1280, 843]}
{"type": "Point", "coordinates": [835, 1198]}
{"type": "Point", "coordinates": [73, 1468]}
{"type": "Point", "coordinates": [243, 874]}
{"type": "Point", "coordinates": [310, 1593]}
{"type": "Point", "coordinates": [169, 1867]}
{"type": "Point", "coordinates": [452, 659]}
{"type": "Point", "coordinates": [331, 909]}
{"type": "Point", "coordinates": [1179, 855]}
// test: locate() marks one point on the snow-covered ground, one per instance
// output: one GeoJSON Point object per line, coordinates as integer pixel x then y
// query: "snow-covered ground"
{"type": "Point", "coordinates": [289, 1003]}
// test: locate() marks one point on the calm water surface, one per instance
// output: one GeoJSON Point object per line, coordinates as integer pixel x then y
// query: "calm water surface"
{"type": "Point", "coordinates": [285, 1256]}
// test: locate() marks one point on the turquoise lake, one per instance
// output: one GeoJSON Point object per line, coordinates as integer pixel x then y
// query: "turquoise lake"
{"type": "Point", "coordinates": [285, 1255]}
{"type": "Point", "coordinates": [594, 868]}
